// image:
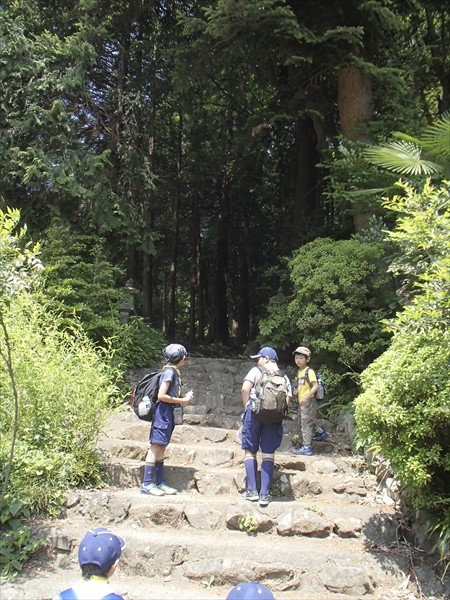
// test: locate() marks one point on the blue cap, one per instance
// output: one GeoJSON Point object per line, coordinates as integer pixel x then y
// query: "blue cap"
{"type": "Point", "coordinates": [267, 352]}
{"type": "Point", "coordinates": [100, 547]}
{"type": "Point", "coordinates": [250, 591]}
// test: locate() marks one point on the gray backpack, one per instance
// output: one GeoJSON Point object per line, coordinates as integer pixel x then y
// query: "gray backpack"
{"type": "Point", "coordinates": [271, 396]}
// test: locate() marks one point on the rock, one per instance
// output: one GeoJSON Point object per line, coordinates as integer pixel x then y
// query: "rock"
{"type": "Point", "coordinates": [303, 522]}
{"type": "Point", "coordinates": [347, 527]}
{"type": "Point", "coordinates": [202, 518]}
{"type": "Point", "coordinates": [214, 434]}
{"type": "Point", "coordinates": [353, 581]}
{"type": "Point", "coordinates": [218, 458]}
{"type": "Point", "coordinates": [303, 485]}
{"type": "Point", "coordinates": [236, 512]}
{"type": "Point", "coordinates": [325, 466]}
{"type": "Point", "coordinates": [166, 515]}
{"type": "Point", "coordinates": [213, 484]}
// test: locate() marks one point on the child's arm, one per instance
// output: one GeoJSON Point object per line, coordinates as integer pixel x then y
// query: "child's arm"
{"type": "Point", "coordinates": [304, 399]}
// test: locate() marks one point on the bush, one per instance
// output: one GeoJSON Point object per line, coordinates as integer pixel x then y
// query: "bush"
{"type": "Point", "coordinates": [82, 284]}
{"type": "Point", "coordinates": [404, 412]}
{"type": "Point", "coordinates": [341, 294]}
{"type": "Point", "coordinates": [64, 390]}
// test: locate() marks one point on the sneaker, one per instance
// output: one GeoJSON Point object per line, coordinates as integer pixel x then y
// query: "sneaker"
{"type": "Point", "coordinates": [304, 450]}
{"type": "Point", "coordinates": [166, 489]}
{"type": "Point", "coordinates": [151, 489]}
{"type": "Point", "coordinates": [264, 499]}
{"type": "Point", "coordinates": [320, 436]}
{"type": "Point", "coordinates": [251, 495]}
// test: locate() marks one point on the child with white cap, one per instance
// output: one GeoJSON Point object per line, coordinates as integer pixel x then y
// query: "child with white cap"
{"type": "Point", "coordinates": [307, 388]}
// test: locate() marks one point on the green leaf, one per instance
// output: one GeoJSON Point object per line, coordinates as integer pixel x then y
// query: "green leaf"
{"type": "Point", "coordinates": [401, 157]}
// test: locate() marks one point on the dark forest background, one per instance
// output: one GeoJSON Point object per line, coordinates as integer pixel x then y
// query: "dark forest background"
{"type": "Point", "coordinates": [185, 149]}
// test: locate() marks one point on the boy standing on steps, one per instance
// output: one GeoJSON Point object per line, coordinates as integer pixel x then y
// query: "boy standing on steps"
{"type": "Point", "coordinates": [257, 434]}
{"type": "Point", "coordinates": [163, 422]}
{"type": "Point", "coordinates": [307, 387]}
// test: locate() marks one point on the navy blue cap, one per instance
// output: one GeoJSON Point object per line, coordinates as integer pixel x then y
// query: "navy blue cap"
{"type": "Point", "coordinates": [267, 352]}
{"type": "Point", "coordinates": [250, 591]}
{"type": "Point", "coordinates": [100, 547]}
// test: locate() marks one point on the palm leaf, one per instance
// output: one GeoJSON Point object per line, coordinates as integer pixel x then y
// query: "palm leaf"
{"type": "Point", "coordinates": [401, 157]}
{"type": "Point", "coordinates": [436, 137]}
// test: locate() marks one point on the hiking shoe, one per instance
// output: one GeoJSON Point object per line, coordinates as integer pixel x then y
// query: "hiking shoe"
{"type": "Point", "coordinates": [151, 489]}
{"type": "Point", "coordinates": [251, 495]}
{"type": "Point", "coordinates": [264, 499]}
{"type": "Point", "coordinates": [166, 489]}
{"type": "Point", "coordinates": [304, 450]}
{"type": "Point", "coordinates": [320, 436]}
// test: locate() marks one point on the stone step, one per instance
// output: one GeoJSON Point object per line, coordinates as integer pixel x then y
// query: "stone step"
{"type": "Point", "coordinates": [293, 479]}
{"type": "Point", "coordinates": [306, 516]}
{"type": "Point", "coordinates": [125, 425]}
{"type": "Point", "coordinates": [163, 545]}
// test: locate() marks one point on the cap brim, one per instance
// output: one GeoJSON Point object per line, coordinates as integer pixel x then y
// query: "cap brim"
{"type": "Point", "coordinates": [256, 356]}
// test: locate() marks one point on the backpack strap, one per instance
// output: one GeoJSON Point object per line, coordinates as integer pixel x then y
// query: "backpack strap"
{"type": "Point", "coordinates": [307, 377]}
{"type": "Point", "coordinates": [180, 383]}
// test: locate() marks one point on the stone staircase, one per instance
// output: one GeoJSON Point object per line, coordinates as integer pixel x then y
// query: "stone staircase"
{"type": "Point", "coordinates": [331, 531]}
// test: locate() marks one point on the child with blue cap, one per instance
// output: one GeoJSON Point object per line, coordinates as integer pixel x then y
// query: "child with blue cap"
{"type": "Point", "coordinates": [98, 555]}
{"type": "Point", "coordinates": [250, 591]}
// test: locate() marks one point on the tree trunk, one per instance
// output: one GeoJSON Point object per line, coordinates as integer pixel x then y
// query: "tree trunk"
{"type": "Point", "coordinates": [243, 329]}
{"type": "Point", "coordinates": [219, 333]}
{"type": "Point", "coordinates": [147, 294]}
{"type": "Point", "coordinates": [305, 192]}
{"type": "Point", "coordinates": [195, 258]}
{"type": "Point", "coordinates": [132, 264]}
{"type": "Point", "coordinates": [171, 313]}
{"type": "Point", "coordinates": [355, 109]}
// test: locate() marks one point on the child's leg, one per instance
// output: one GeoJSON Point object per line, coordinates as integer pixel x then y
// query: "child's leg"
{"type": "Point", "coordinates": [308, 413]}
{"type": "Point", "coordinates": [155, 457]}
{"type": "Point", "coordinates": [267, 468]}
{"type": "Point", "coordinates": [251, 469]}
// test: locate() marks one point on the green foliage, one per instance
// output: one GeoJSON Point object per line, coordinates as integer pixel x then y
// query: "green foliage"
{"type": "Point", "coordinates": [249, 524]}
{"type": "Point", "coordinates": [82, 283]}
{"type": "Point", "coordinates": [16, 545]}
{"type": "Point", "coordinates": [135, 344]}
{"type": "Point", "coordinates": [19, 261]}
{"type": "Point", "coordinates": [349, 180]}
{"type": "Point", "coordinates": [423, 245]}
{"type": "Point", "coordinates": [424, 156]}
{"type": "Point", "coordinates": [208, 583]}
{"type": "Point", "coordinates": [405, 412]}
{"type": "Point", "coordinates": [341, 294]}
{"type": "Point", "coordinates": [65, 389]}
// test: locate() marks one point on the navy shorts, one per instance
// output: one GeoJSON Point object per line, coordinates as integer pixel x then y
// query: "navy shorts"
{"type": "Point", "coordinates": [163, 424]}
{"type": "Point", "coordinates": [257, 434]}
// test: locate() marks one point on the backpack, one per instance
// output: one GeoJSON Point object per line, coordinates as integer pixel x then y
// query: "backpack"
{"type": "Point", "coordinates": [144, 398]}
{"type": "Point", "coordinates": [322, 389]}
{"type": "Point", "coordinates": [271, 394]}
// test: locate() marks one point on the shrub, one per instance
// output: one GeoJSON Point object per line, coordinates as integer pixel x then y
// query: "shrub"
{"type": "Point", "coordinates": [404, 412]}
{"type": "Point", "coordinates": [341, 294]}
{"type": "Point", "coordinates": [64, 389]}
{"type": "Point", "coordinates": [81, 283]}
